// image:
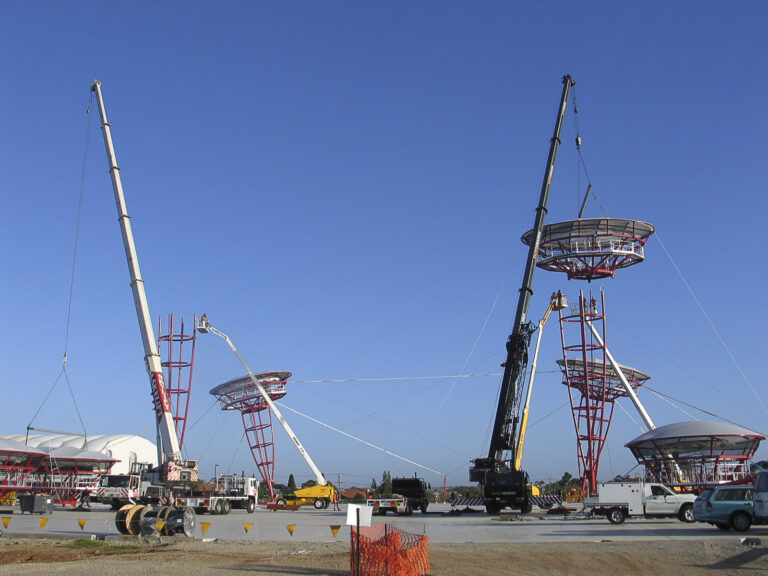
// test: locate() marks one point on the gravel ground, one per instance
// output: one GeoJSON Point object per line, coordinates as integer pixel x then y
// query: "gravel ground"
{"type": "Point", "coordinates": [60, 556]}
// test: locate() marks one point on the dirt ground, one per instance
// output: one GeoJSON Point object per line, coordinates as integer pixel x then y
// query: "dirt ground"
{"type": "Point", "coordinates": [20, 555]}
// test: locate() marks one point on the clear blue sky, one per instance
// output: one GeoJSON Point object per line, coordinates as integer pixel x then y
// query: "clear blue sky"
{"type": "Point", "coordinates": [342, 186]}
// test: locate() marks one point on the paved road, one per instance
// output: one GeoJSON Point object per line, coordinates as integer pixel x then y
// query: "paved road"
{"type": "Point", "coordinates": [311, 525]}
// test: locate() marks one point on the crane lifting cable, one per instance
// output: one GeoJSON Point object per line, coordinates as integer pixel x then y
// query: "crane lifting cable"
{"type": "Point", "coordinates": [63, 371]}
{"type": "Point", "coordinates": [582, 164]}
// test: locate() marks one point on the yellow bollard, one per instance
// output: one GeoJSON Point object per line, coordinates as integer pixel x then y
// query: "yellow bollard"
{"type": "Point", "coordinates": [204, 527]}
{"type": "Point", "coordinates": [160, 524]}
{"type": "Point", "coordinates": [291, 528]}
{"type": "Point", "coordinates": [43, 522]}
{"type": "Point", "coordinates": [81, 522]}
{"type": "Point", "coordinates": [6, 521]}
{"type": "Point", "coordinates": [247, 527]}
{"type": "Point", "coordinates": [335, 530]}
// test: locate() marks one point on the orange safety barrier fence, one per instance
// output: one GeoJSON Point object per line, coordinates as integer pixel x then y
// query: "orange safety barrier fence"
{"type": "Point", "coordinates": [385, 549]}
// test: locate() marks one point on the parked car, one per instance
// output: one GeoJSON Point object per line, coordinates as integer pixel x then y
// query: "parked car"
{"type": "Point", "coordinates": [726, 507]}
{"type": "Point", "coordinates": [760, 498]}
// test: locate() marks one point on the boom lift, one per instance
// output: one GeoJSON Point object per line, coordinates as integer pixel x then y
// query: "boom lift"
{"type": "Point", "coordinates": [321, 495]}
{"type": "Point", "coordinates": [558, 301]}
{"type": "Point", "coordinates": [504, 483]}
{"type": "Point", "coordinates": [172, 469]}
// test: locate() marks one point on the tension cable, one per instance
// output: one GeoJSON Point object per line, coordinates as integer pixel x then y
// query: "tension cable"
{"type": "Point", "coordinates": [63, 372]}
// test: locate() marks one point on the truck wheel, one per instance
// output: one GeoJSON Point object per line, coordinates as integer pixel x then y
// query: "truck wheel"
{"type": "Point", "coordinates": [616, 515]}
{"type": "Point", "coordinates": [218, 508]}
{"type": "Point", "coordinates": [281, 501]}
{"type": "Point", "coordinates": [250, 506]}
{"type": "Point", "coordinates": [526, 507]}
{"type": "Point", "coordinates": [424, 508]}
{"type": "Point", "coordinates": [319, 504]}
{"type": "Point", "coordinates": [408, 509]}
{"type": "Point", "coordinates": [686, 513]}
{"type": "Point", "coordinates": [115, 504]}
{"type": "Point", "coordinates": [492, 508]}
{"type": "Point", "coordinates": [225, 507]}
{"type": "Point", "coordinates": [741, 521]}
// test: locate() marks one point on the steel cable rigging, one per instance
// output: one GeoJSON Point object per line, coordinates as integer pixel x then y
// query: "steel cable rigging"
{"type": "Point", "coordinates": [63, 372]}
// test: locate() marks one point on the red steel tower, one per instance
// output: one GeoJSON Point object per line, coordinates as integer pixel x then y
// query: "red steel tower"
{"type": "Point", "coordinates": [241, 394]}
{"type": "Point", "coordinates": [179, 354]}
{"type": "Point", "coordinates": [594, 383]}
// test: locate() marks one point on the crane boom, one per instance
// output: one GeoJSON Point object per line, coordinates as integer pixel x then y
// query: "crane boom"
{"type": "Point", "coordinates": [168, 445]}
{"type": "Point", "coordinates": [496, 472]}
{"type": "Point", "coordinates": [503, 434]}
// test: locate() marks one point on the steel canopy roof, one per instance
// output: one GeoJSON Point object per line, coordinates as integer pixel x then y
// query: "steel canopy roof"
{"type": "Point", "coordinates": [584, 228]}
{"type": "Point", "coordinates": [695, 437]}
{"type": "Point", "coordinates": [596, 366]}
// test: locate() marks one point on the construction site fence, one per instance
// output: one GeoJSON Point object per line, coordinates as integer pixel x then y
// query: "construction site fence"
{"type": "Point", "coordinates": [385, 549]}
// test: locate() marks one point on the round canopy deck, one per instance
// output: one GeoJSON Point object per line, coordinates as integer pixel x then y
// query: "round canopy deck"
{"type": "Point", "coordinates": [591, 248]}
{"type": "Point", "coordinates": [577, 376]}
{"type": "Point", "coordinates": [241, 393]}
{"type": "Point", "coordinates": [696, 454]}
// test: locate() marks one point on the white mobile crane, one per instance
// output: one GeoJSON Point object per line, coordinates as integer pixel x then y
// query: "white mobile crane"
{"type": "Point", "coordinates": [172, 469]}
{"type": "Point", "coordinates": [323, 493]}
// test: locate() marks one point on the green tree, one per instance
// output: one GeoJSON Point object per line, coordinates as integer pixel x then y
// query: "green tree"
{"type": "Point", "coordinates": [291, 482]}
{"type": "Point", "coordinates": [385, 488]}
{"type": "Point", "coordinates": [560, 487]}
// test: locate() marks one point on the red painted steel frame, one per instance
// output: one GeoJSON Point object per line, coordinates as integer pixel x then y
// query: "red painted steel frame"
{"type": "Point", "coordinates": [593, 385]}
{"type": "Point", "coordinates": [179, 367]}
{"type": "Point", "coordinates": [243, 396]}
{"type": "Point", "coordinates": [589, 249]}
{"type": "Point", "coordinates": [259, 432]}
{"type": "Point", "coordinates": [591, 406]}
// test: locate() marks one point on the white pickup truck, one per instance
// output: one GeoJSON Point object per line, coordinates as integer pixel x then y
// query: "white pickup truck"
{"type": "Point", "coordinates": [619, 500]}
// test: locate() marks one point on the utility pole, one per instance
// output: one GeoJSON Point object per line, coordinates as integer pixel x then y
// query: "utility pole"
{"type": "Point", "coordinates": [338, 487]}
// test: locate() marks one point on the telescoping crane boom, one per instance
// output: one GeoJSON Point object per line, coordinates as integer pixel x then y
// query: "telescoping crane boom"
{"type": "Point", "coordinates": [169, 454]}
{"type": "Point", "coordinates": [504, 485]}
{"type": "Point", "coordinates": [172, 469]}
